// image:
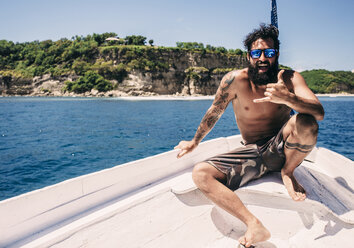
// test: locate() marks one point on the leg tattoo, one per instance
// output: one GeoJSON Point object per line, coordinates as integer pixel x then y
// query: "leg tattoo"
{"type": "Point", "coordinates": [299, 147]}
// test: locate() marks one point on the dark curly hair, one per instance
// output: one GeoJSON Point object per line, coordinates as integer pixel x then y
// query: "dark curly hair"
{"type": "Point", "coordinates": [264, 32]}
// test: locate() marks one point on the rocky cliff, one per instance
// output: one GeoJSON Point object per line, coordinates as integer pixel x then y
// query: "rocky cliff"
{"type": "Point", "coordinates": [136, 71]}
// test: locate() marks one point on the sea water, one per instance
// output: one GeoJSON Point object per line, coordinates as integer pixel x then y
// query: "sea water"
{"type": "Point", "coordinates": [44, 141]}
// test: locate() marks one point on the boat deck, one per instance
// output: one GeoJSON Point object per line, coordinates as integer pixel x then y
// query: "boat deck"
{"type": "Point", "coordinates": [157, 217]}
{"type": "Point", "coordinates": [148, 203]}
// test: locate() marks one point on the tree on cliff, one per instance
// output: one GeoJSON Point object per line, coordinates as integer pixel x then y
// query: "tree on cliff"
{"type": "Point", "coordinates": [101, 38]}
{"type": "Point", "coordinates": [190, 45]}
{"type": "Point", "coordinates": [137, 40]}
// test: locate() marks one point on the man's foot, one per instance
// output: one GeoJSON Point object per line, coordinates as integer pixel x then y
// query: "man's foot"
{"type": "Point", "coordinates": [295, 190]}
{"type": "Point", "coordinates": [242, 246]}
{"type": "Point", "coordinates": [255, 233]}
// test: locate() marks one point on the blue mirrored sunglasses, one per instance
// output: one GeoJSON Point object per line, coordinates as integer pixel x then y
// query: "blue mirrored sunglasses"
{"type": "Point", "coordinates": [268, 53]}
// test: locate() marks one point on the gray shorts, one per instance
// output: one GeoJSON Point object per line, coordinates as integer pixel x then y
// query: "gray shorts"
{"type": "Point", "coordinates": [250, 161]}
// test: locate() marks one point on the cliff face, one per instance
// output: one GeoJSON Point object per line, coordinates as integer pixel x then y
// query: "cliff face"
{"type": "Point", "coordinates": [180, 72]}
{"type": "Point", "coordinates": [38, 86]}
{"type": "Point", "coordinates": [147, 71]}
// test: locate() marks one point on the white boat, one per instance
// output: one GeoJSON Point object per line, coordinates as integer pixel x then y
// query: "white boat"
{"type": "Point", "coordinates": [152, 202]}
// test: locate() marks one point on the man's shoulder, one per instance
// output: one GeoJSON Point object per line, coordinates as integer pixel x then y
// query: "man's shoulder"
{"type": "Point", "coordinates": [237, 75]}
{"type": "Point", "coordinates": [290, 76]}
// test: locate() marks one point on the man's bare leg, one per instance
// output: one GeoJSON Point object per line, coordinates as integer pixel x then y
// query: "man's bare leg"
{"type": "Point", "coordinates": [300, 135]}
{"type": "Point", "coordinates": [208, 178]}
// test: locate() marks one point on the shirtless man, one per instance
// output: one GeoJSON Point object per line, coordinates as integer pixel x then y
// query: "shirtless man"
{"type": "Point", "coordinates": [262, 97]}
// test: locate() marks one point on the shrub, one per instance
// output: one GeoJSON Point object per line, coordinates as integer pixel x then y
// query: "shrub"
{"type": "Point", "coordinates": [194, 72]}
{"type": "Point", "coordinates": [80, 67]}
{"type": "Point", "coordinates": [190, 45]}
{"type": "Point", "coordinates": [91, 80]}
{"type": "Point", "coordinates": [222, 70]}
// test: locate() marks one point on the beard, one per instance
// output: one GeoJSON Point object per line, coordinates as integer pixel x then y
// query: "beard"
{"type": "Point", "coordinates": [270, 76]}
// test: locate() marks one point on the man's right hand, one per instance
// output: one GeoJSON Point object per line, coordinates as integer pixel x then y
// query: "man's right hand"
{"type": "Point", "coordinates": [186, 147]}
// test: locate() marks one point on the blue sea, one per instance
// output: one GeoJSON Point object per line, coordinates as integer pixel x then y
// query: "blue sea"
{"type": "Point", "coordinates": [44, 141]}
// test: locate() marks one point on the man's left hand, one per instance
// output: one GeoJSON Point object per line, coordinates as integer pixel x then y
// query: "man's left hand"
{"type": "Point", "coordinates": [275, 92]}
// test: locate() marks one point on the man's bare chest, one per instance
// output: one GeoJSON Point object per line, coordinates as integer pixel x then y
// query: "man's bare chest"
{"type": "Point", "coordinates": [246, 108]}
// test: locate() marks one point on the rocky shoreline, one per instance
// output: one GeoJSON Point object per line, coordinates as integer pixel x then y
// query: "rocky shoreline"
{"type": "Point", "coordinates": [143, 96]}
{"type": "Point", "coordinates": [136, 85]}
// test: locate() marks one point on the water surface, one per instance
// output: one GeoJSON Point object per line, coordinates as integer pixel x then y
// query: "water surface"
{"type": "Point", "coordinates": [47, 140]}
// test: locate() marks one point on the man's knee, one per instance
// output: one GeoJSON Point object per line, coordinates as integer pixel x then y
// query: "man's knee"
{"type": "Point", "coordinates": [202, 174]}
{"type": "Point", "coordinates": [306, 125]}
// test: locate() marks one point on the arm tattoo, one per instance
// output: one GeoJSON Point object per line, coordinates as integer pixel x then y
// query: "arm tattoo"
{"type": "Point", "coordinates": [221, 98]}
{"type": "Point", "coordinates": [208, 121]}
{"type": "Point", "coordinates": [211, 121]}
{"type": "Point", "coordinates": [228, 83]}
{"type": "Point", "coordinates": [214, 113]}
{"type": "Point", "coordinates": [198, 136]}
{"type": "Point", "coordinates": [299, 147]}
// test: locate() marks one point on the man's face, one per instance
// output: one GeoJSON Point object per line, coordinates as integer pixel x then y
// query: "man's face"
{"type": "Point", "coordinates": [263, 70]}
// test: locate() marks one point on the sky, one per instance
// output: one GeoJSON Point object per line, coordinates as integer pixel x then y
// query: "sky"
{"type": "Point", "coordinates": [314, 34]}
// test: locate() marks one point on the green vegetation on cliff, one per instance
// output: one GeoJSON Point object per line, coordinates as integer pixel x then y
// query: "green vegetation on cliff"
{"type": "Point", "coordinates": [81, 54]}
{"type": "Point", "coordinates": [91, 80]}
{"type": "Point", "coordinates": [323, 81]}
{"type": "Point", "coordinates": [112, 59]}
{"type": "Point", "coordinates": [95, 61]}
{"type": "Point", "coordinates": [208, 48]}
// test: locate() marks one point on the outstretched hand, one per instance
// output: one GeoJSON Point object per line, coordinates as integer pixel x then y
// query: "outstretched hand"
{"type": "Point", "coordinates": [186, 147]}
{"type": "Point", "coordinates": [275, 92]}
